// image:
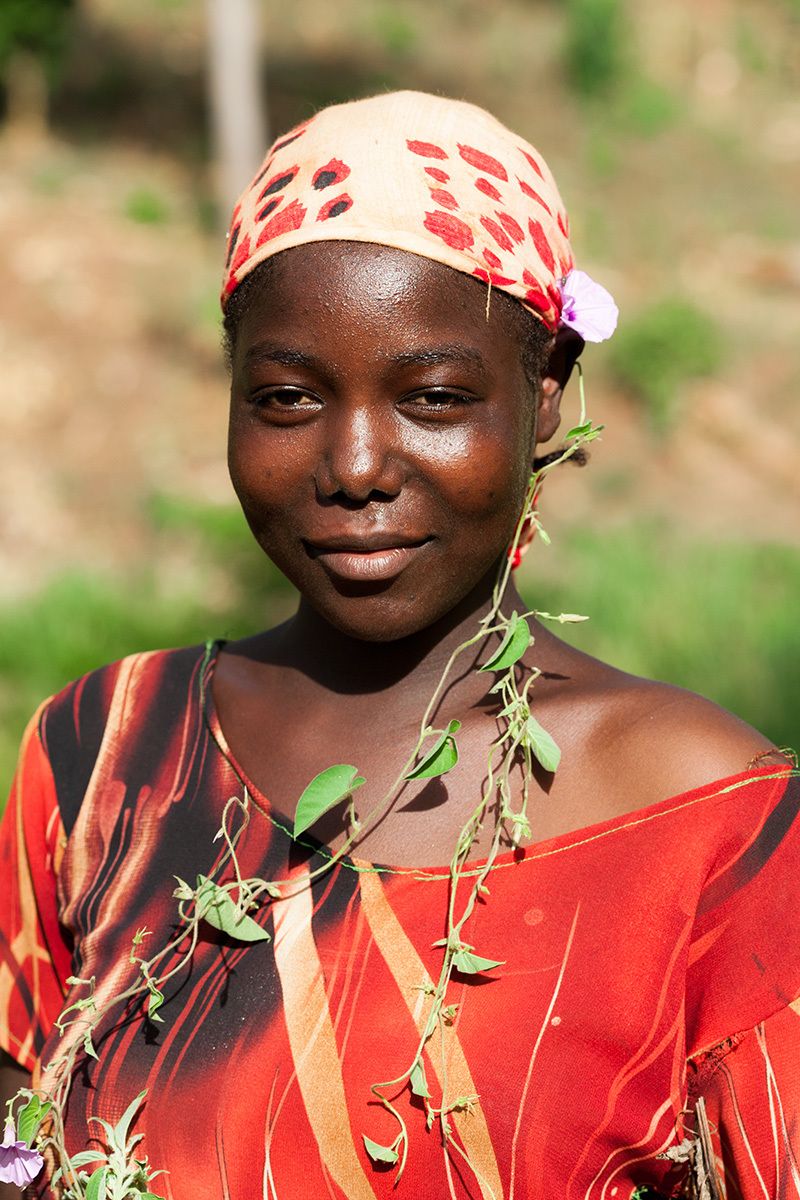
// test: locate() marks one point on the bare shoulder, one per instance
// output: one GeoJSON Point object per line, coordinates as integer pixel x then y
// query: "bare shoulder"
{"type": "Point", "coordinates": [673, 738]}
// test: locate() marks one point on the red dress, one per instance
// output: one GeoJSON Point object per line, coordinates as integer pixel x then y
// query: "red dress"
{"type": "Point", "coordinates": [647, 960]}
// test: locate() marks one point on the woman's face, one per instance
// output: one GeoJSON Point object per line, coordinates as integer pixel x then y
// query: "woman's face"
{"type": "Point", "coordinates": [381, 433]}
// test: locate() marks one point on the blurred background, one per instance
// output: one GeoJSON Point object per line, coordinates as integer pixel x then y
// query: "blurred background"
{"type": "Point", "coordinates": [674, 133]}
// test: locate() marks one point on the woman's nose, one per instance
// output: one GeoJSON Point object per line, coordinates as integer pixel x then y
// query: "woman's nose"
{"type": "Point", "coordinates": [361, 456]}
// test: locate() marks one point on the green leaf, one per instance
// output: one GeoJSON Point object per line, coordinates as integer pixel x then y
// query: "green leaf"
{"type": "Point", "coordinates": [216, 907]}
{"type": "Point", "coordinates": [108, 1130]}
{"type": "Point", "coordinates": [120, 1132]}
{"type": "Point", "coordinates": [182, 891]}
{"type": "Point", "coordinates": [88, 1046]}
{"type": "Point", "coordinates": [154, 1002]}
{"type": "Point", "coordinates": [418, 1082]}
{"type": "Point", "coordinates": [82, 1159]}
{"type": "Point", "coordinates": [96, 1187]}
{"type": "Point", "coordinates": [513, 646]}
{"type": "Point", "coordinates": [542, 745]}
{"type": "Point", "coordinates": [327, 789]}
{"type": "Point", "coordinates": [594, 433]}
{"type": "Point", "coordinates": [579, 430]}
{"type": "Point", "coordinates": [30, 1118]}
{"type": "Point", "coordinates": [442, 758]}
{"type": "Point", "coordinates": [378, 1153]}
{"type": "Point", "coordinates": [471, 964]}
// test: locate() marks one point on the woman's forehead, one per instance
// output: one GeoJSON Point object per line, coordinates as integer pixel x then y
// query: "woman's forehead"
{"type": "Point", "coordinates": [337, 282]}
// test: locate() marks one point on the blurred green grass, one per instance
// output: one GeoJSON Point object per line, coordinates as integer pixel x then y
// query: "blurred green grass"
{"type": "Point", "coordinates": [717, 618]}
{"type": "Point", "coordinates": [659, 349]}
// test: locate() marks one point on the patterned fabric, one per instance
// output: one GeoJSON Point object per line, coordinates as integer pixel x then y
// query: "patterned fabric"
{"type": "Point", "coordinates": [439, 178]}
{"type": "Point", "coordinates": [648, 960]}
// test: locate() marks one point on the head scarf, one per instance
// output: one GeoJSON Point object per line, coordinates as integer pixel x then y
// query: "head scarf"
{"type": "Point", "coordinates": [439, 178]}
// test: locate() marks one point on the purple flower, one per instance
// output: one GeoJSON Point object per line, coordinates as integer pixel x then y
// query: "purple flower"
{"type": "Point", "coordinates": [587, 307]}
{"type": "Point", "coordinates": [18, 1163]}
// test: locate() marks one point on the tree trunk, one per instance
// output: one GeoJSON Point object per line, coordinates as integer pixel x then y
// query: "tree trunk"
{"type": "Point", "coordinates": [26, 96]}
{"type": "Point", "coordinates": [235, 93]}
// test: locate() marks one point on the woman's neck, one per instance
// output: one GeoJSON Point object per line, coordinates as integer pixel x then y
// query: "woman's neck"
{"type": "Point", "coordinates": [345, 665]}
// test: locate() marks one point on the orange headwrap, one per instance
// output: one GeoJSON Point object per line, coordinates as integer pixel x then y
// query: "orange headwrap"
{"type": "Point", "coordinates": [439, 178]}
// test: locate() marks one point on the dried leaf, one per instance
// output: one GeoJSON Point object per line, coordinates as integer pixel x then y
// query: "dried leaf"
{"type": "Point", "coordinates": [562, 618]}
{"type": "Point", "coordinates": [705, 1162]}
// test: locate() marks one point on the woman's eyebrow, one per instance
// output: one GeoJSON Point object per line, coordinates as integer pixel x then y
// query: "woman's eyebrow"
{"type": "Point", "coordinates": [431, 356]}
{"type": "Point", "coordinates": [436, 355]}
{"type": "Point", "coordinates": [266, 352]}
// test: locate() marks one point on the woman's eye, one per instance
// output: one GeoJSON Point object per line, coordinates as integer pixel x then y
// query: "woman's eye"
{"type": "Point", "coordinates": [438, 400]}
{"type": "Point", "coordinates": [285, 400]}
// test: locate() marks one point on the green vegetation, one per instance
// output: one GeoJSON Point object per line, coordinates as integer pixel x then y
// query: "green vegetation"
{"type": "Point", "coordinates": [653, 354]}
{"type": "Point", "coordinates": [146, 207]}
{"type": "Point", "coordinates": [37, 27]}
{"type": "Point", "coordinates": [595, 46]}
{"type": "Point", "coordinates": [646, 108]}
{"type": "Point", "coordinates": [396, 32]}
{"type": "Point", "coordinates": [718, 619]}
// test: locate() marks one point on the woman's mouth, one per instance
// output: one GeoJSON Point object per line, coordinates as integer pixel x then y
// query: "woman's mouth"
{"type": "Point", "coordinates": [364, 561]}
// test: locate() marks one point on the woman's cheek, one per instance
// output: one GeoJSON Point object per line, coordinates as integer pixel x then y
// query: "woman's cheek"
{"type": "Point", "coordinates": [265, 470]}
{"type": "Point", "coordinates": [487, 481]}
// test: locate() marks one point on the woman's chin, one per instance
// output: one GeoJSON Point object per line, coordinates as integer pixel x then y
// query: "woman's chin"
{"type": "Point", "coordinates": [381, 612]}
{"type": "Point", "coordinates": [366, 617]}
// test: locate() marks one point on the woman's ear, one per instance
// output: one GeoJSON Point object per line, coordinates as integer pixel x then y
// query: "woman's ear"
{"type": "Point", "coordinates": [567, 347]}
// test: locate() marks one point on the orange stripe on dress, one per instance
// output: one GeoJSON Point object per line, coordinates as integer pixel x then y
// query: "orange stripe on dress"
{"type": "Point", "coordinates": [407, 969]}
{"type": "Point", "coordinates": [313, 1041]}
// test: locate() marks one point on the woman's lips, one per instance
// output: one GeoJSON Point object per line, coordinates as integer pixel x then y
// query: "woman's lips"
{"type": "Point", "coordinates": [367, 566]}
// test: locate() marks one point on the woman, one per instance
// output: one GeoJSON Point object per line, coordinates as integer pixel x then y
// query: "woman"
{"type": "Point", "coordinates": [593, 995]}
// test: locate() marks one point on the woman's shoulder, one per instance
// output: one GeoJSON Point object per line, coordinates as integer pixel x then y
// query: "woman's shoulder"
{"type": "Point", "coordinates": [647, 741]}
{"type": "Point", "coordinates": [94, 692]}
{"type": "Point", "coordinates": [114, 702]}
{"type": "Point", "coordinates": [676, 739]}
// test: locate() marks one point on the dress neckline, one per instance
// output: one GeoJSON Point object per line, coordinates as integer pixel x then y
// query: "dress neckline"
{"type": "Point", "coordinates": [571, 840]}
